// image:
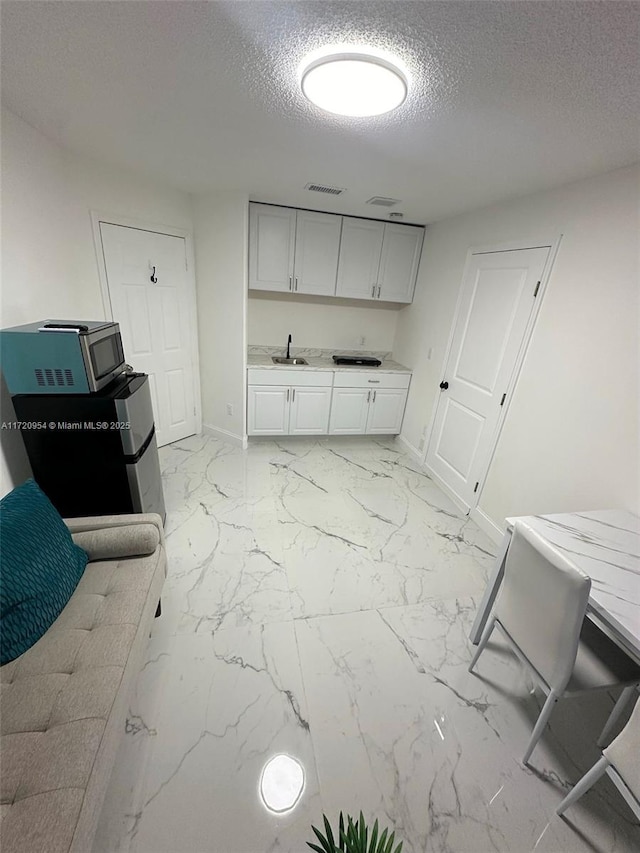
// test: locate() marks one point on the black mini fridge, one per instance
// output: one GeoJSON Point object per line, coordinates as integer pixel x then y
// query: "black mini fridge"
{"type": "Point", "coordinates": [95, 454]}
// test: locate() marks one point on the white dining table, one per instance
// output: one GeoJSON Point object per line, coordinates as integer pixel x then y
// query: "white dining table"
{"type": "Point", "coordinates": [605, 545]}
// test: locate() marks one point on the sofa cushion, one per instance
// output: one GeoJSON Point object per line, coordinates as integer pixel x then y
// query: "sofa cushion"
{"type": "Point", "coordinates": [112, 543]}
{"type": "Point", "coordinates": [43, 823]}
{"type": "Point", "coordinates": [41, 567]}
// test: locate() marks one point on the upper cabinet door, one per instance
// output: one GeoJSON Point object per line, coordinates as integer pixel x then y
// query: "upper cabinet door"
{"type": "Point", "coordinates": [271, 247]}
{"type": "Point", "coordinates": [360, 249]}
{"type": "Point", "coordinates": [317, 248]}
{"type": "Point", "coordinates": [399, 262]}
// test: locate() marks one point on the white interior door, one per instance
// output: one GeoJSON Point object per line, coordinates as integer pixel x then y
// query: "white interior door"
{"type": "Point", "coordinates": [496, 302]}
{"type": "Point", "coordinates": [155, 320]}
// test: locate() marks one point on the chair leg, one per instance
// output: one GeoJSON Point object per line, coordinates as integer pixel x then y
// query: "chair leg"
{"type": "Point", "coordinates": [488, 631]}
{"type": "Point", "coordinates": [624, 789]}
{"type": "Point", "coordinates": [618, 708]}
{"type": "Point", "coordinates": [539, 727]}
{"type": "Point", "coordinates": [583, 785]}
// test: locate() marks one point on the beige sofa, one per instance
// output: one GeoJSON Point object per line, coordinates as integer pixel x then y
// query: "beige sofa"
{"type": "Point", "coordinates": [64, 701]}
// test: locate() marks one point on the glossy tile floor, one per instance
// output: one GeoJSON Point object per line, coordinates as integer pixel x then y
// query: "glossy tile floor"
{"type": "Point", "coordinates": [318, 603]}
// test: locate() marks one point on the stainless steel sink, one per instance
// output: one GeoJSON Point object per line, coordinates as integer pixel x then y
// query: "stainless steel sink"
{"type": "Point", "coordinates": [278, 359]}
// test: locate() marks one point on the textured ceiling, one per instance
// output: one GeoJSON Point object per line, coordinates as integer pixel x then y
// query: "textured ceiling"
{"type": "Point", "coordinates": [505, 98]}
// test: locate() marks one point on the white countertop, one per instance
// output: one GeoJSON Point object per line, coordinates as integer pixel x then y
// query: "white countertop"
{"type": "Point", "coordinates": [323, 363]}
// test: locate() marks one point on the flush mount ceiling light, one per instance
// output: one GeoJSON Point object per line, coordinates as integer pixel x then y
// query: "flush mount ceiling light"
{"type": "Point", "coordinates": [354, 84]}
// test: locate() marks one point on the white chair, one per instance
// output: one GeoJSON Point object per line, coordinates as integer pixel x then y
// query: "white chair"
{"type": "Point", "coordinates": [541, 610]}
{"type": "Point", "coordinates": [621, 762]}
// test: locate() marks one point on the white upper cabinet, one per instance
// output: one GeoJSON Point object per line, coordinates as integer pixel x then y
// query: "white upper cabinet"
{"type": "Point", "coordinates": [272, 233]}
{"type": "Point", "coordinates": [399, 262]}
{"type": "Point", "coordinates": [360, 251]}
{"type": "Point", "coordinates": [303, 251]}
{"type": "Point", "coordinates": [316, 255]}
{"type": "Point", "coordinates": [378, 260]}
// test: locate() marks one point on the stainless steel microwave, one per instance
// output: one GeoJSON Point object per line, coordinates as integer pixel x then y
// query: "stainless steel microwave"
{"type": "Point", "coordinates": [61, 356]}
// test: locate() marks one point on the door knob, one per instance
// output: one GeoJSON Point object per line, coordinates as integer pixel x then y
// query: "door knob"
{"type": "Point", "coordinates": [444, 385]}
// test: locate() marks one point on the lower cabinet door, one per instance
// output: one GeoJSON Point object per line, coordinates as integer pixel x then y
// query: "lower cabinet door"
{"type": "Point", "coordinates": [309, 411]}
{"type": "Point", "coordinates": [386, 410]}
{"type": "Point", "coordinates": [349, 409]}
{"type": "Point", "coordinates": [268, 410]}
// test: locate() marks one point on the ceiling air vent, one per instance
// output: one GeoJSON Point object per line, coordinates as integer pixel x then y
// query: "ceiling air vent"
{"type": "Point", "coordinates": [383, 202]}
{"type": "Point", "coordinates": [322, 188]}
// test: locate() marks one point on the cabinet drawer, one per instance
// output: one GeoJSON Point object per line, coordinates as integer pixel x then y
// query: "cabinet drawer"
{"type": "Point", "coordinates": [287, 376]}
{"type": "Point", "coordinates": [369, 379]}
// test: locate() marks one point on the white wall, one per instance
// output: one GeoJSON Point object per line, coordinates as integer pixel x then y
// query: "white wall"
{"type": "Point", "coordinates": [221, 243]}
{"type": "Point", "coordinates": [570, 441]}
{"type": "Point", "coordinates": [321, 323]}
{"type": "Point", "coordinates": [48, 257]}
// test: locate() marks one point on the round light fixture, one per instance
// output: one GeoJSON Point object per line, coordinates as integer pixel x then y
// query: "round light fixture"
{"type": "Point", "coordinates": [354, 84]}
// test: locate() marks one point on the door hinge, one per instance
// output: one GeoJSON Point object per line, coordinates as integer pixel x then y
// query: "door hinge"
{"type": "Point", "coordinates": [475, 489]}
{"type": "Point", "coordinates": [504, 397]}
{"type": "Point", "coordinates": [535, 292]}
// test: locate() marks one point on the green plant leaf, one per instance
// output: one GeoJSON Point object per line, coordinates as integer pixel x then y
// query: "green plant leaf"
{"type": "Point", "coordinates": [315, 847]}
{"type": "Point", "coordinates": [328, 830]}
{"type": "Point", "coordinates": [363, 834]}
{"type": "Point", "coordinates": [398, 848]}
{"type": "Point", "coordinates": [389, 846]}
{"type": "Point", "coordinates": [341, 831]}
{"type": "Point", "coordinates": [374, 837]}
{"type": "Point", "coordinates": [351, 831]}
{"type": "Point", "coordinates": [383, 841]}
{"type": "Point", "coordinates": [326, 847]}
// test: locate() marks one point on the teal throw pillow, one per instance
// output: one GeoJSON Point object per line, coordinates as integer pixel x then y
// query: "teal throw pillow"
{"type": "Point", "coordinates": [40, 568]}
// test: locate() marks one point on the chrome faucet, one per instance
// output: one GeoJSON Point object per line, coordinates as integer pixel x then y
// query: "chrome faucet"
{"type": "Point", "coordinates": [288, 345]}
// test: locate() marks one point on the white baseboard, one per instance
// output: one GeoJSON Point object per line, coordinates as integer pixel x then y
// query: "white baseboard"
{"type": "Point", "coordinates": [410, 448]}
{"type": "Point", "coordinates": [225, 435]}
{"type": "Point", "coordinates": [487, 524]}
{"type": "Point", "coordinates": [432, 474]}
{"type": "Point", "coordinates": [446, 489]}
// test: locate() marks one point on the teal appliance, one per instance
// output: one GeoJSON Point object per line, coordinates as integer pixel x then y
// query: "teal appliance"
{"type": "Point", "coordinates": [61, 356]}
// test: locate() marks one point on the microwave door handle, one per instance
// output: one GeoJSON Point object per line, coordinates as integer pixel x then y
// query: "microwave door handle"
{"type": "Point", "coordinates": [64, 327]}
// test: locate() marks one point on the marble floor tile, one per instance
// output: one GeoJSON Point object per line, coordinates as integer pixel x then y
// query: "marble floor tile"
{"type": "Point", "coordinates": [440, 748]}
{"type": "Point", "coordinates": [318, 602]}
{"type": "Point", "coordinates": [128, 777]}
{"type": "Point", "coordinates": [231, 701]}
